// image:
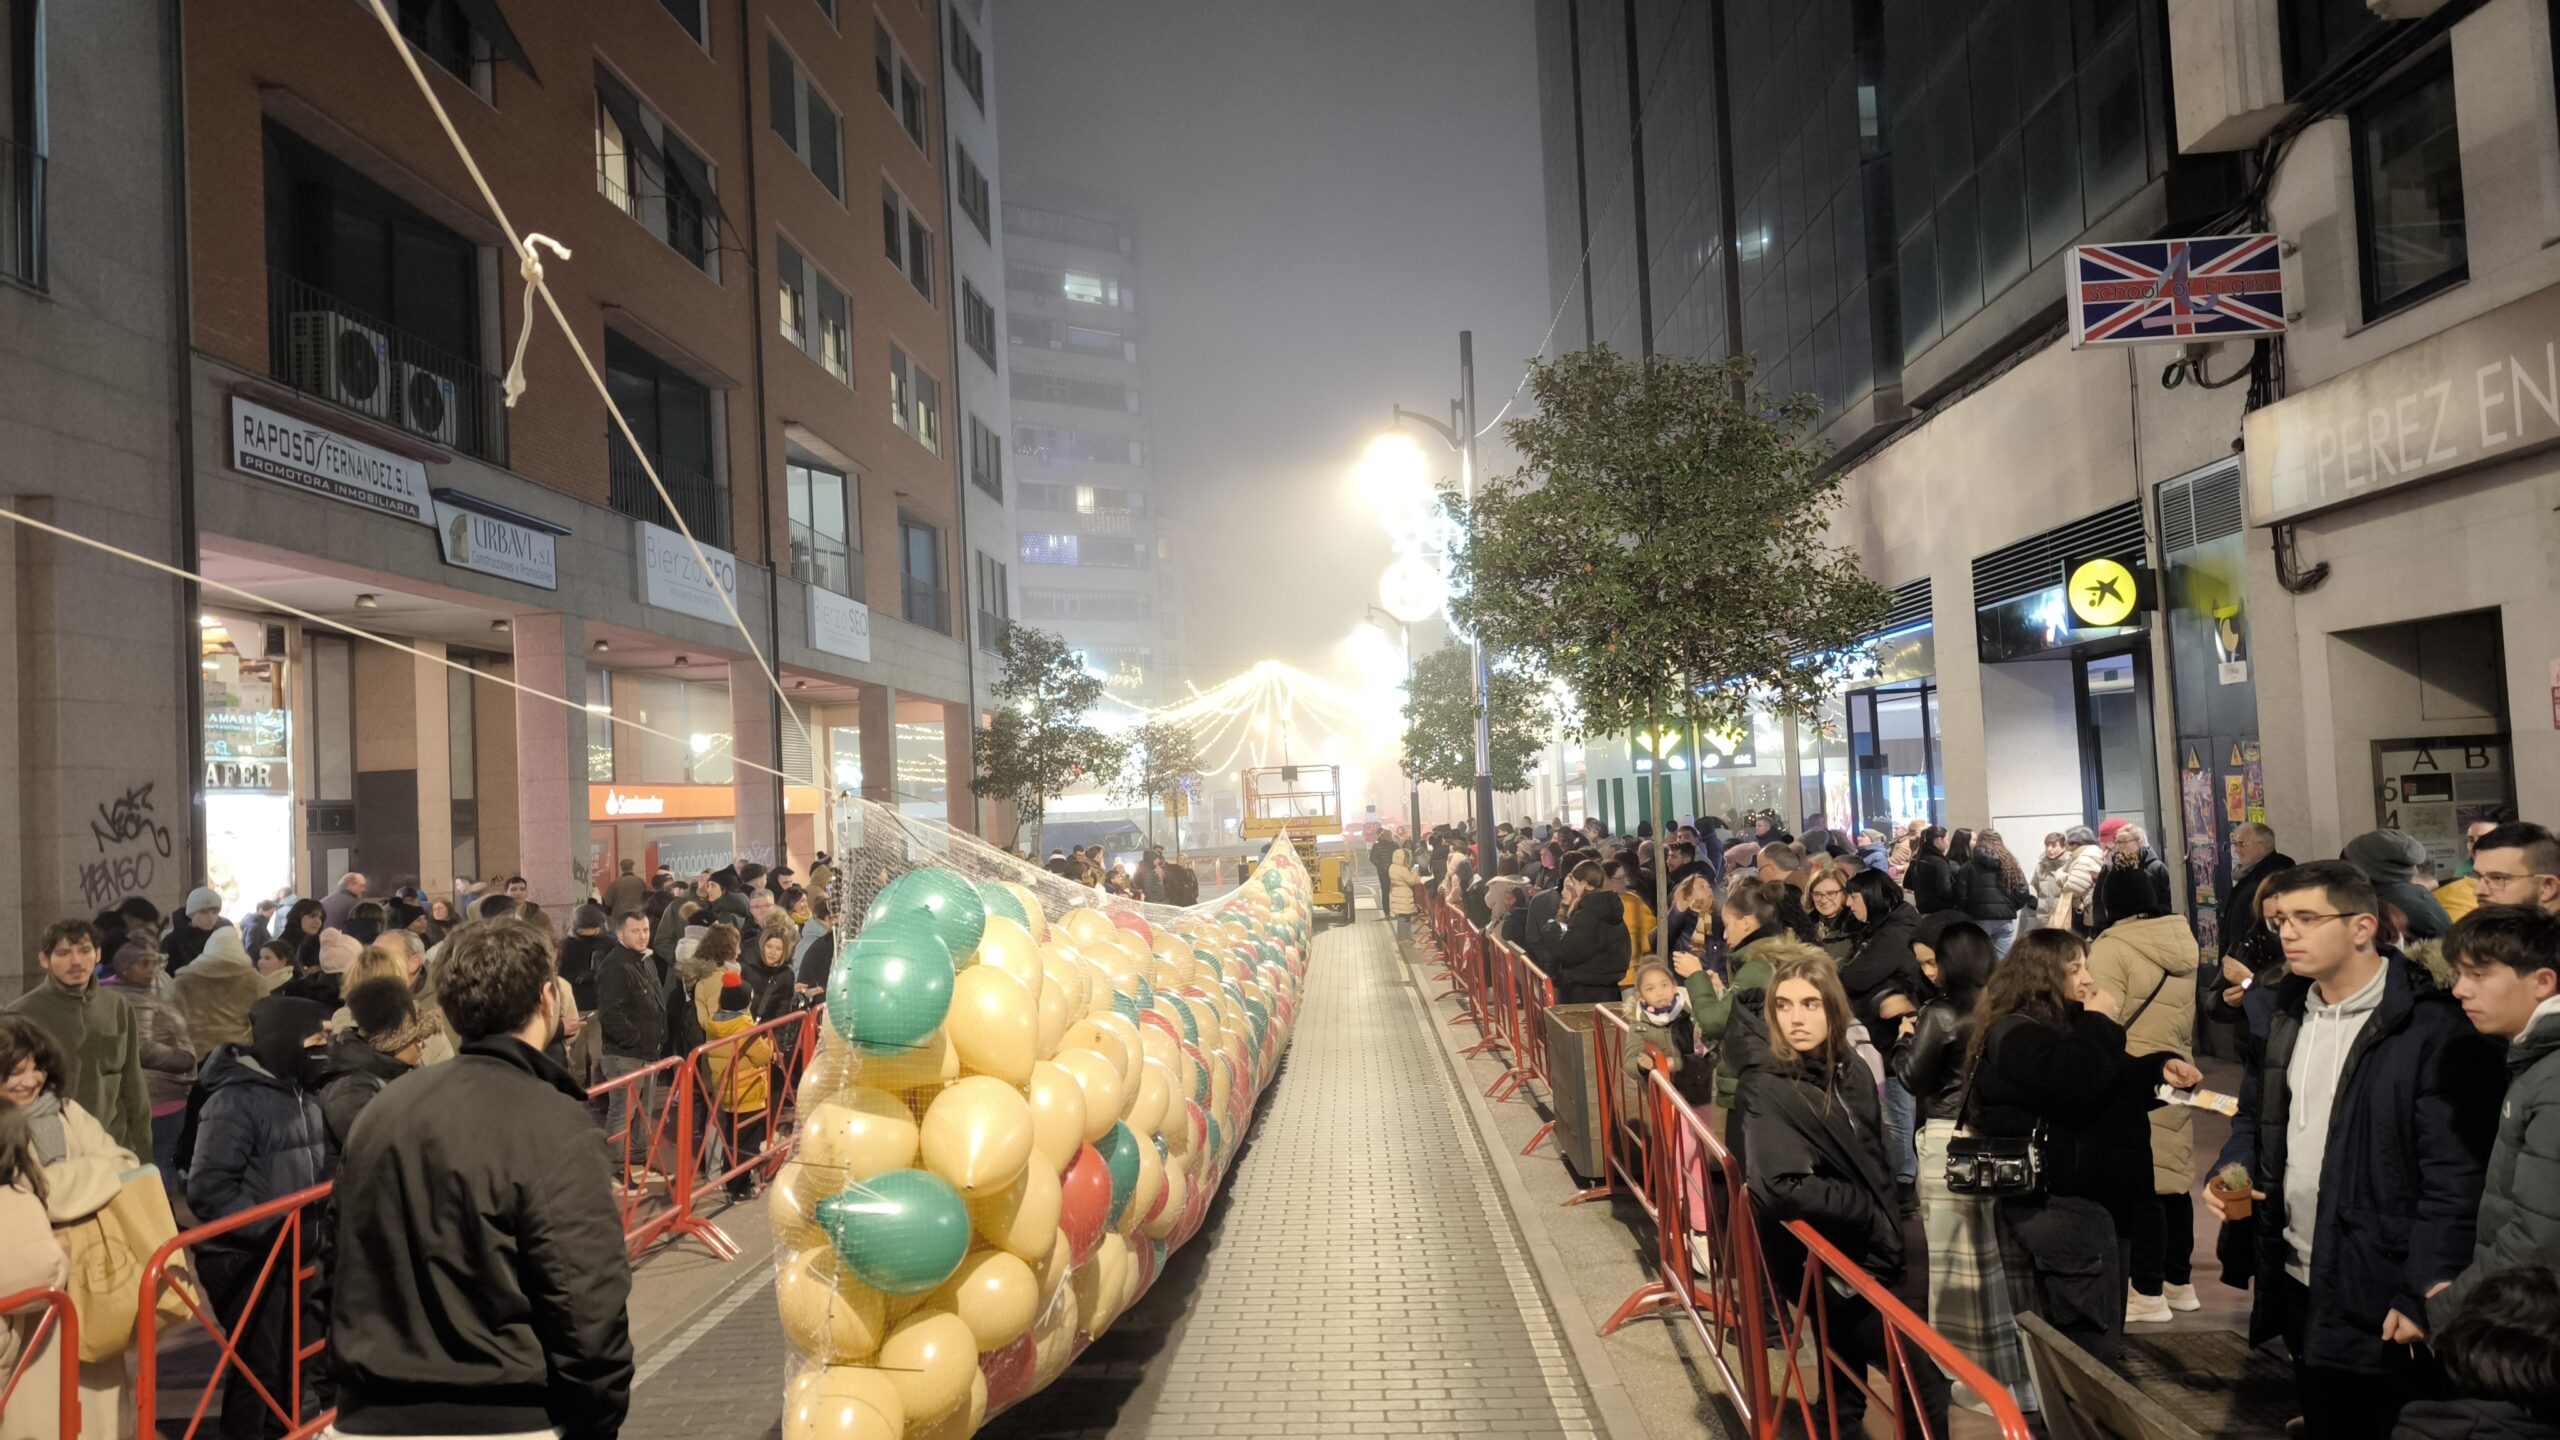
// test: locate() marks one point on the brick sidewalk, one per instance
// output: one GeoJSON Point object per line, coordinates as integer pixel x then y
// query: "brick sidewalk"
{"type": "Point", "coordinates": [1358, 1277]}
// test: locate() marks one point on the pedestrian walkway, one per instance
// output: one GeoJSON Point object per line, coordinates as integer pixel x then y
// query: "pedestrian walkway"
{"type": "Point", "coordinates": [1359, 1276]}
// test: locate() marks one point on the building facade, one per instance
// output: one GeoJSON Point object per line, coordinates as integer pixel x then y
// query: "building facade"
{"type": "Point", "coordinates": [306, 404]}
{"type": "Point", "coordinates": [1089, 512]}
{"type": "Point", "coordinates": [1877, 207]}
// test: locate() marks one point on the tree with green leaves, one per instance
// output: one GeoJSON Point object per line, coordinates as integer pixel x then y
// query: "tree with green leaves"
{"type": "Point", "coordinates": [1041, 738]}
{"type": "Point", "coordinates": [1157, 758]}
{"type": "Point", "coordinates": [1440, 722]}
{"type": "Point", "coordinates": [1664, 550]}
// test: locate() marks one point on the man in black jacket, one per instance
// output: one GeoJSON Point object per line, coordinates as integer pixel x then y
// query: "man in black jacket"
{"type": "Point", "coordinates": [632, 1007]}
{"type": "Point", "coordinates": [1382, 853]}
{"type": "Point", "coordinates": [482, 1283]}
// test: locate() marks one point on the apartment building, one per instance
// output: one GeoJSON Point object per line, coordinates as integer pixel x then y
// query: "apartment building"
{"type": "Point", "coordinates": [1877, 206]}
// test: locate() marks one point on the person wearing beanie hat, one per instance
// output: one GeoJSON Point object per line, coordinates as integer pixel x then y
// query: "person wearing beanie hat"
{"type": "Point", "coordinates": [188, 929]}
{"type": "Point", "coordinates": [338, 951]}
{"type": "Point", "coordinates": [586, 944]}
{"type": "Point", "coordinates": [2107, 829]}
{"type": "Point", "coordinates": [215, 993]}
{"type": "Point", "coordinates": [735, 1073]}
{"type": "Point", "coordinates": [2390, 859]}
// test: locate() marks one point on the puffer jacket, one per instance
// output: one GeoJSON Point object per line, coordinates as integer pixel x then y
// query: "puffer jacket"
{"type": "Point", "coordinates": [2149, 966]}
{"type": "Point", "coordinates": [1748, 978]}
{"type": "Point", "coordinates": [259, 1139]}
{"type": "Point", "coordinates": [1881, 964]}
{"type": "Point", "coordinates": [1984, 897]}
{"type": "Point", "coordinates": [1400, 883]}
{"type": "Point", "coordinates": [2047, 885]}
{"type": "Point", "coordinates": [1815, 1151]}
{"type": "Point", "coordinates": [738, 1080]}
{"type": "Point", "coordinates": [2520, 1208]}
{"type": "Point", "coordinates": [357, 1074]}
{"type": "Point", "coordinates": [214, 994]}
{"type": "Point", "coordinates": [2078, 880]}
{"type": "Point", "coordinates": [168, 1057]}
{"type": "Point", "coordinates": [1590, 950]}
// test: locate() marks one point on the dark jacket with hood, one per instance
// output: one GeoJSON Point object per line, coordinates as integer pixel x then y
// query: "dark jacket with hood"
{"type": "Point", "coordinates": [357, 1073]}
{"type": "Point", "coordinates": [2400, 1180]}
{"type": "Point", "coordinates": [1590, 951]}
{"type": "Point", "coordinates": [2240, 912]}
{"type": "Point", "coordinates": [1983, 896]}
{"type": "Point", "coordinates": [2520, 1207]}
{"type": "Point", "coordinates": [483, 1287]}
{"type": "Point", "coordinates": [2390, 858]}
{"type": "Point", "coordinates": [770, 989]}
{"type": "Point", "coordinates": [1931, 883]}
{"type": "Point", "coordinates": [2093, 1099]}
{"type": "Point", "coordinates": [631, 1005]}
{"type": "Point", "coordinates": [260, 1135]}
{"type": "Point", "coordinates": [1814, 1151]}
{"type": "Point", "coordinates": [1880, 963]}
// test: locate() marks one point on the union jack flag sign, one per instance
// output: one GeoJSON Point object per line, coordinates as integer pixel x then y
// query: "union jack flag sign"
{"type": "Point", "coordinates": [2153, 290]}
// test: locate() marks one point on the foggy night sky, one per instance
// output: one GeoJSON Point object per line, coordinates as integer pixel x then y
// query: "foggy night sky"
{"type": "Point", "coordinates": [1324, 193]}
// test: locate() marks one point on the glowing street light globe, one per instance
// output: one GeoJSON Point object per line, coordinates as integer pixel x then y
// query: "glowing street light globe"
{"type": "Point", "coordinates": [1412, 589]}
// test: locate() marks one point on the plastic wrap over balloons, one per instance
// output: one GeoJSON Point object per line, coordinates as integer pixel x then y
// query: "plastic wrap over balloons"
{"type": "Point", "coordinates": [1009, 1370]}
{"type": "Point", "coordinates": [1105, 1093]}
{"type": "Point", "coordinates": [826, 1313]}
{"type": "Point", "coordinates": [860, 1133]}
{"type": "Point", "coordinates": [945, 900]}
{"type": "Point", "coordinates": [902, 1233]}
{"type": "Point", "coordinates": [891, 987]}
{"type": "Point", "coordinates": [1135, 923]}
{"type": "Point", "coordinates": [999, 899]}
{"type": "Point", "coordinates": [977, 1134]}
{"type": "Point", "coordinates": [993, 1024]}
{"type": "Point", "coordinates": [931, 1358]}
{"type": "Point", "coordinates": [994, 1294]}
{"type": "Point", "coordinates": [842, 1402]}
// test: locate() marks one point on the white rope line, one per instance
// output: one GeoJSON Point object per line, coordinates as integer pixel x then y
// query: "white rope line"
{"type": "Point", "coordinates": [305, 616]}
{"type": "Point", "coordinates": [529, 265]}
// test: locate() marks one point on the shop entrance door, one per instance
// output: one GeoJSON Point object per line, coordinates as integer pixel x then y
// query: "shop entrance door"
{"type": "Point", "coordinates": [2118, 778]}
{"type": "Point", "coordinates": [1893, 745]}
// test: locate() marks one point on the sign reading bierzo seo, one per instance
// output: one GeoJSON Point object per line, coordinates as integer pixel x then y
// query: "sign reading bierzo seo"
{"type": "Point", "coordinates": [672, 579]}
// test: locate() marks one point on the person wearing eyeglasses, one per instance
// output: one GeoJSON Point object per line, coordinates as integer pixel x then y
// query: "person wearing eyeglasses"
{"type": "Point", "coordinates": [2517, 864]}
{"type": "Point", "coordinates": [2376, 1103]}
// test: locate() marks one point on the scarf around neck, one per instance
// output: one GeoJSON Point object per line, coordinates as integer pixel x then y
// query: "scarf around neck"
{"type": "Point", "coordinates": [44, 1119]}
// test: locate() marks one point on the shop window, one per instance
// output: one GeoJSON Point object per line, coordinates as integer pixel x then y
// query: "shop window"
{"type": "Point", "coordinates": [823, 533]}
{"type": "Point", "coordinates": [808, 125]}
{"type": "Point", "coordinates": [2410, 235]}
{"type": "Point", "coordinates": [672, 414]}
{"type": "Point", "coordinates": [690, 738]}
{"type": "Point", "coordinates": [920, 567]}
{"type": "Point", "coordinates": [372, 305]}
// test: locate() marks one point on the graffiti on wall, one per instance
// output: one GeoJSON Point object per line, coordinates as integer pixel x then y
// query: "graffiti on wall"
{"type": "Point", "coordinates": [131, 844]}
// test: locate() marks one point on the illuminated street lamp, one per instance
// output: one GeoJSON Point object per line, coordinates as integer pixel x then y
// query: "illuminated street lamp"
{"type": "Point", "coordinates": [1460, 433]}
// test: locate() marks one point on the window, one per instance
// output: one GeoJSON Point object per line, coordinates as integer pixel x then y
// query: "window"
{"type": "Point", "coordinates": [1061, 390]}
{"type": "Point", "coordinates": [1061, 444]}
{"type": "Point", "coordinates": [911, 103]}
{"type": "Point", "coordinates": [896, 81]}
{"type": "Point", "coordinates": [2410, 238]}
{"type": "Point", "coordinates": [986, 458]}
{"type": "Point", "coordinates": [443, 31]}
{"type": "Point", "coordinates": [808, 125]}
{"type": "Point", "coordinates": [815, 315]}
{"type": "Point", "coordinates": [971, 184]}
{"type": "Point", "coordinates": [968, 62]}
{"type": "Point", "coordinates": [1045, 549]}
{"type": "Point", "coordinates": [671, 412]}
{"type": "Point", "coordinates": [915, 400]}
{"type": "Point", "coordinates": [823, 524]}
{"type": "Point", "coordinates": [1041, 224]}
{"type": "Point", "coordinates": [905, 240]}
{"type": "Point", "coordinates": [901, 389]}
{"type": "Point", "coordinates": [654, 177]}
{"type": "Point", "coordinates": [920, 563]}
{"type": "Point", "coordinates": [688, 14]}
{"type": "Point", "coordinates": [978, 323]}
{"type": "Point", "coordinates": [828, 9]}
{"type": "Point", "coordinates": [884, 64]}
{"type": "Point", "coordinates": [22, 227]}
{"type": "Point", "coordinates": [1091, 289]}
{"type": "Point", "coordinates": [1103, 605]}
{"type": "Point", "coordinates": [371, 304]}
{"type": "Point", "coordinates": [995, 607]}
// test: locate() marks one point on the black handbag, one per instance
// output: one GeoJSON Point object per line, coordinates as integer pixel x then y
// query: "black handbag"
{"type": "Point", "coordinates": [1994, 1167]}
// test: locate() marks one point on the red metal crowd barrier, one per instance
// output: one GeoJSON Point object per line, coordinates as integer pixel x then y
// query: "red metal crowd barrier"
{"type": "Point", "coordinates": [651, 1146]}
{"type": "Point", "coordinates": [55, 1323]}
{"type": "Point", "coordinates": [748, 1141]}
{"type": "Point", "coordinates": [286, 1276]}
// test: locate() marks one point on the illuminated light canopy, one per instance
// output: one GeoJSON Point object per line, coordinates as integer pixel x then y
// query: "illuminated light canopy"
{"type": "Point", "coordinates": [1412, 589]}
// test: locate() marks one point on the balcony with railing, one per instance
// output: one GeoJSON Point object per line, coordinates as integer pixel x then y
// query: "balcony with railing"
{"type": "Point", "coordinates": [825, 561]}
{"type": "Point", "coordinates": [321, 346]}
{"type": "Point", "coordinates": [925, 604]}
{"type": "Point", "coordinates": [672, 216]}
{"type": "Point", "coordinates": [700, 497]}
{"type": "Point", "coordinates": [21, 214]}
{"type": "Point", "coordinates": [991, 628]}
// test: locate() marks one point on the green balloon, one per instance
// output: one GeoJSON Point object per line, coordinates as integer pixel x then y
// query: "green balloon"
{"type": "Point", "coordinates": [1000, 901]}
{"type": "Point", "coordinates": [1146, 994]}
{"type": "Point", "coordinates": [890, 988]}
{"type": "Point", "coordinates": [946, 897]}
{"type": "Point", "coordinates": [902, 1233]}
{"type": "Point", "coordinates": [1217, 1140]}
{"type": "Point", "coordinates": [1125, 1006]}
{"type": "Point", "coordinates": [1189, 1022]}
{"type": "Point", "coordinates": [1260, 1015]}
{"type": "Point", "coordinates": [1120, 1152]}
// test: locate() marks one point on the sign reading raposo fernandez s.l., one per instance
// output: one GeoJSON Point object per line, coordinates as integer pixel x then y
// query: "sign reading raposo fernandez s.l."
{"type": "Point", "coordinates": [275, 446]}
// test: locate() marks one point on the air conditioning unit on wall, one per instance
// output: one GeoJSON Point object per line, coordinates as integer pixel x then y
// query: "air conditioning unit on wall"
{"type": "Point", "coordinates": [427, 405]}
{"type": "Point", "coordinates": [340, 359]}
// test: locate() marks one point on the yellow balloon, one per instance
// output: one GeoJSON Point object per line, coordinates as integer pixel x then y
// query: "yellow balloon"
{"type": "Point", "coordinates": [977, 1134]}
{"type": "Point", "coordinates": [930, 1359]}
{"type": "Point", "coordinates": [1158, 1044]}
{"type": "Point", "coordinates": [1125, 1030]}
{"type": "Point", "coordinates": [830, 1071]}
{"type": "Point", "coordinates": [962, 1422]}
{"type": "Point", "coordinates": [1053, 1340]}
{"type": "Point", "coordinates": [843, 1402]}
{"type": "Point", "coordinates": [1059, 963]}
{"type": "Point", "coordinates": [828, 1314]}
{"type": "Point", "coordinates": [994, 1294]}
{"type": "Point", "coordinates": [1177, 1197]}
{"type": "Point", "coordinates": [1099, 994]}
{"type": "Point", "coordinates": [1022, 1218]}
{"type": "Point", "coordinates": [1091, 1033]}
{"type": "Point", "coordinates": [861, 1133]}
{"type": "Point", "coordinates": [1010, 948]}
{"type": "Point", "coordinates": [1055, 1270]}
{"type": "Point", "coordinates": [1153, 1096]}
{"type": "Point", "coordinates": [934, 1058]}
{"type": "Point", "coordinates": [992, 1024]}
{"type": "Point", "coordinates": [1057, 1115]}
{"type": "Point", "coordinates": [1104, 1093]}
{"type": "Point", "coordinates": [1049, 1028]}
{"type": "Point", "coordinates": [1150, 1185]}
{"type": "Point", "coordinates": [795, 1197]}
{"type": "Point", "coordinates": [1039, 926]}
{"type": "Point", "coordinates": [1220, 1089]}
{"type": "Point", "coordinates": [1088, 926]}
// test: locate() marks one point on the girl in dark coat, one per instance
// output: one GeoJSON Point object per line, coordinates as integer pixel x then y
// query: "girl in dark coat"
{"type": "Point", "coordinates": [2047, 1054]}
{"type": "Point", "coordinates": [1994, 890]}
{"type": "Point", "coordinates": [1816, 1154]}
{"type": "Point", "coordinates": [1883, 982]}
{"type": "Point", "coordinates": [1587, 941]}
{"type": "Point", "coordinates": [1931, 877]}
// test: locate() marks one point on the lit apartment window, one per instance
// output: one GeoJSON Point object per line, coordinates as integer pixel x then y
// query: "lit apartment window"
{"type": "Point", "coordinates": [823, 535]}
{"type": "Point", "coordinates": [915, 400]}
{"type": "Point", "coordinates": [1045, 549]}
{"type": "Point", "coordinates": [654, 177]}
{"type": "Point", "coordinates": [815, 314]}
{"type": "Point", "coordinates": [2410, 237]}
{"type": "Point", "coordinates": [970, 184]}
{"type": "Point", "coordinates": [978, 323]}
{"type": "Point", "coordinates": [808, 125]}
{"type": "Point", "coordinates": [920, 564]}
{"type": "Point", "coordinates": [1091, 289]}
{"type": "Point", "coordinates": [968, 62]}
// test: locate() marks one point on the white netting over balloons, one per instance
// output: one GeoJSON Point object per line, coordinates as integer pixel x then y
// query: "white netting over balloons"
{"type": "Point", "coordinates": [1024, 1096]}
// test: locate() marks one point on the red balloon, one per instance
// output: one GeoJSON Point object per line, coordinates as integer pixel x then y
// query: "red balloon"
{"type": "Point", "coordinates": [1160, 1021]}
{"type": "Point", "coordinates": [1134, 923]}
{"type": "Point", "coordinates": [1009, 1370]}
{"type": "Point", "coordinates": [1087, 1202]}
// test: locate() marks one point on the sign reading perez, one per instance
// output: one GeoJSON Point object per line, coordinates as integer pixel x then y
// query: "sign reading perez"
{"type": "Point", "coordinates": [2486, 390]}
{"type": "Point", "coordinates": [671, 579]}
{"type": "Point", "coordinates": [275, 446]}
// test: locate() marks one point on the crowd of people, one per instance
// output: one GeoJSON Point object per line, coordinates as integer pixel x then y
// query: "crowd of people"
{"type": "Point", "coordinates": [1978, 1074]}
{"type": "Point", "coordinates": [431, 1056]}
{"type": "Point", "coordinates": [1154, 880]}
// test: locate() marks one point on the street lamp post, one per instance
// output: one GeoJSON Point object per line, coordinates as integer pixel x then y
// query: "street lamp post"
{"type": "Point", "coordinates": [1406, 631]}
{"type": "Point", "coordinates": [1460, 433]}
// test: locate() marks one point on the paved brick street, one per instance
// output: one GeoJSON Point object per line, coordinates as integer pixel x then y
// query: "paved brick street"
{"type": "Point", "coordinates": [1359, 1277]}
